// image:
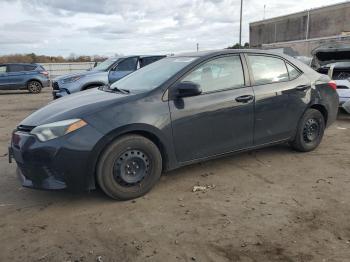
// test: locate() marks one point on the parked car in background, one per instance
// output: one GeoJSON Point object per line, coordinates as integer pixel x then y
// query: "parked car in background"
{"type": "Point", "coordinates": [305, 59]}
{"type": "Point", "coordinates": [102, 74]}
{"type": "Point", "coordinates": [334, 60]}
{"type": "Point", "coordinates": [32, 77]}
{"type": "Point", "coordinates": [177, 111]}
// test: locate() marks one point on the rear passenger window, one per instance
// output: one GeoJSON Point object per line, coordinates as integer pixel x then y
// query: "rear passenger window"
{"type": "Point", "coordinates": [293, 72]}
{"type": "Point", "coordinates": [2, 68]}
{"type": "Point", "coordinates": [29, 67]}
{"type": "Point", "coordinates": [16, 68]}
{"type": "Point", "coordinates": [218, 74]}
{"type": "Point", "coordinates": [148, 60]}
{"type": "Point", "coordinates": [267, 69]}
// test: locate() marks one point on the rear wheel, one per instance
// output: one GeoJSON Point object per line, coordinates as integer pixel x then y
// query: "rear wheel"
{"type": "Point", "coordinates": [129, 167]}
{"type": "Point", "coordinates": [310, 131]}
{"type": "Point", "coordinates": [34, 87]}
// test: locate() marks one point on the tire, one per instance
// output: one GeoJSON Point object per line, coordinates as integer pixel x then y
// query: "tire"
{"type": "Point", "coordinates": [34, 87]}
{"type": "Point", "coordinates": [310, 131]}
{"type": "Point", "coordinates": [129, 167]}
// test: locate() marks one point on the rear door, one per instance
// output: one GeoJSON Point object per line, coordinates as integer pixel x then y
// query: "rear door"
{"type": "Point", "coordinates": [220, 119]}
{"type": "Point", "coordinates": [282, 93]}
{"type": "Point", "coordinates": [16, 75]}
{"type": "Point", "coordinates": [123, 68]}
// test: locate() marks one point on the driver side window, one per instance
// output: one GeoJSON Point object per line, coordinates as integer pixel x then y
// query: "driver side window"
{"type": "Point", "coordinates": [218, 74]}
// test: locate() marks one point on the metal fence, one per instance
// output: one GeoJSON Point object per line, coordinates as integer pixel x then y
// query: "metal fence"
{"type": "Point", "coordinates": [58, 69]}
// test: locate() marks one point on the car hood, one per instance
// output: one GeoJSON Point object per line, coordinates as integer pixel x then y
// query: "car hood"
{"type": "Point", "coordinates": [84, 73]}
{"type": "Point", "coordinates": [74, 106]}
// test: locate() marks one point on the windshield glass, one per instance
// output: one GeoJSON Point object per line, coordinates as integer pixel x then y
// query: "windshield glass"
{"type": "Point", "coordinates": [153, 75]}
{"type": "Point", "coordinates": [105, 64]}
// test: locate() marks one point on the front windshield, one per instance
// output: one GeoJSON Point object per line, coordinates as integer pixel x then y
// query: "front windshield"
{"type": "Point", "coordinates": [153, 75]}
{"type": "Point", "coordinates": [105, 64]}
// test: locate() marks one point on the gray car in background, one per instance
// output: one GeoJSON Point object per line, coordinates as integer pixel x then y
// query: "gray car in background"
{"type": "Point", "coordinates": [104, 73]}
{"type": "Point", "coordinates": [21, 76]}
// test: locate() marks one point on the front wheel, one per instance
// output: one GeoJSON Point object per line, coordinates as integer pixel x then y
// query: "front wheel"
{"type": "Point", "coordinates": [34, 87]}
{"type": "Point", "coordinates": [310, 131]}
{"type": "Point", "coordinates": [129, 167]}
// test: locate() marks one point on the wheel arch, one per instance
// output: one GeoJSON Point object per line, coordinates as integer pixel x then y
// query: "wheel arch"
{"type": "Point", "coordinates": [33, 79]}
{"type": "Point", "coordinates": [323, 110]}
{"type": "Point", "coordinates": [144, 130]}
{"type": "Point", "coordinates": [84, 87]}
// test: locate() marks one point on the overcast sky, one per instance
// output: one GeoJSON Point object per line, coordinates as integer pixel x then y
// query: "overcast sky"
{"type": "Point", "coordinates": [107, 27]}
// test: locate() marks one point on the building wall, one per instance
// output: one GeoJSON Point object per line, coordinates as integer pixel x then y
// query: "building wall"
{"type": "Point", "coordinates": [305, 47]}
{"type": "Point", "coordinates": [316, 23]}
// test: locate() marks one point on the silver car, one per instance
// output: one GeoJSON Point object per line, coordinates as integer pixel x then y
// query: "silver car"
{"type": "Point", "coordinates": [104, 73]}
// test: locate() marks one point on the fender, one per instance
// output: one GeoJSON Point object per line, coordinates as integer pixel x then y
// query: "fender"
{"type": "Point", "coordinates": [150, 132]}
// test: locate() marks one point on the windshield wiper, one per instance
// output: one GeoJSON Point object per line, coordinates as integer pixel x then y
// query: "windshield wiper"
{"type": "Point", "coordinates": [108, 88]}
{"type": "Point", "coordinates": [121, 90]}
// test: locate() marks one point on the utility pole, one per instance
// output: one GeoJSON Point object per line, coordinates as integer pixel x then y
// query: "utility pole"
{"type": "Point", "coordinates": [264, 11]}
{"type": "Point", "coordinates": [240, 25]}
{"type": "Point", "coordinates": [197, 47]}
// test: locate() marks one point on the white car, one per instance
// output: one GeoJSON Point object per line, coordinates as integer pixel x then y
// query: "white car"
{"type": "Point", "coordinates": [334, 60]}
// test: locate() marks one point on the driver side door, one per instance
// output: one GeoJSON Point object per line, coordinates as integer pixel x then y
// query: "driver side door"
{"type": "Point", "coordinates": [221, 118]}
{"type": "Point", "coordinates": [123, 68]}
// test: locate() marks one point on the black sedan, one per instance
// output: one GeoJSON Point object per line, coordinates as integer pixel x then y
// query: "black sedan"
{"type": "Point", "coordinates": [176, 111]}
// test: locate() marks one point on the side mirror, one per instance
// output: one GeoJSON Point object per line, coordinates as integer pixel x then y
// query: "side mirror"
{"type": "Point", "coordinates": [185, 89]}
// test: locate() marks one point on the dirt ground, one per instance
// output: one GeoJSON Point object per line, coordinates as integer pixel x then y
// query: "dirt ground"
{"type": "Point", "coordinates": [272, 204]}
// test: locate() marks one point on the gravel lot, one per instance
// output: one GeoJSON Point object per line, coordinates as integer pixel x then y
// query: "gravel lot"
{"type": "Point", "coordinates": [272, 204]}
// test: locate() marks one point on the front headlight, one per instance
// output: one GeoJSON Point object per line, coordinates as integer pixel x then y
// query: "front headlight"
{"type": "Point", "coordinates": [53, 130]}
{"type": "Point", "coordinates": [71, 79]}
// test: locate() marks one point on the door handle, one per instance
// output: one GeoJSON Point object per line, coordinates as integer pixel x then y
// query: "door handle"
{"type": "Point", "coordinates": [302, 87]}
{"type": "Point", "coordinates": [244, 99]}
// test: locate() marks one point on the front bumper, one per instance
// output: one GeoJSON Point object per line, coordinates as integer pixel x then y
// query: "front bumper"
{"type": "Point", "coordinates": [61, 163]}
{"type": "Point", "coordinates": [46, 83]}
{"type": "Point", "coordinates": [59, 93]}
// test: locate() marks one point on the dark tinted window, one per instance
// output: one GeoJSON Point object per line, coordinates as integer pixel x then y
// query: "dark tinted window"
{"type": "Point", "coordinates": [149, 60]}
{"type": "Point", "coordinates": [16, 68]}
{"type": "Point", "coordinates": [2, 68]}
{"type": "Point", "coordinates": [128, 64]}
{"type": "Point", "coordinates": [218, 74]}
{"type": "Point", "coordinates": [267, 69]}
{"type": "Point", "coordinates": [293, 72]}
{"type": "Point", "coordinates": [29, 67]}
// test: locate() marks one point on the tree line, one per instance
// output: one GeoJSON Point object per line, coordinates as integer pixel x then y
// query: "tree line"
{"type": "Point", "coordinates": [33, 58]}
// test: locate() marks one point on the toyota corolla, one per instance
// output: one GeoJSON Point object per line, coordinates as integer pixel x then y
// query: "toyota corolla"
{"type": "Point", "coordinates": [177, 111]}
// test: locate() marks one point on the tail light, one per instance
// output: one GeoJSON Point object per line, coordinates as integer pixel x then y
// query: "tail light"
{"type": "Point", "coordinates": [45, 73]}
{"type": "Point", "coordinates": [332, 84]}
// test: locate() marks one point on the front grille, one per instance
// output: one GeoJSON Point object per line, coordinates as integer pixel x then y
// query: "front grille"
{"type": "Point", "coordinates": [55, 86]}
{"type": "Point", "coordinates": [25, 129]}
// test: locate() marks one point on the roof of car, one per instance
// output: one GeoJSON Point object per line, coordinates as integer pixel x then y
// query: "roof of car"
{"type": "Point", "coordinates": [141, 56]}
{"type": "Point", "coordinates": [226, 51]}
